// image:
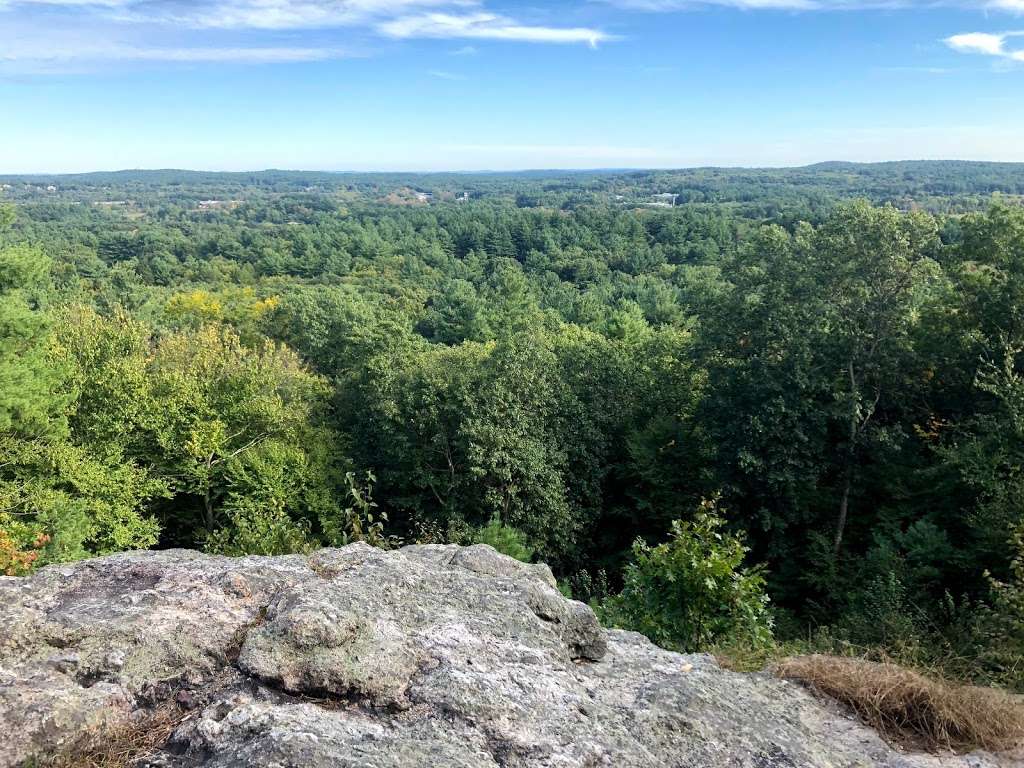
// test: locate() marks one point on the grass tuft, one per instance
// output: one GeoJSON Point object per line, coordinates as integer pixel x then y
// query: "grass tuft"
{"type": "Point", "coordinates": [912, 709]}
{"type": "Point", "coordinates": [121, 745]}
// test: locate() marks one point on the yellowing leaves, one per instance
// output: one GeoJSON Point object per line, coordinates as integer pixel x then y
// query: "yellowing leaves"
{"type": "Point", "coordinates": [199, 304]}
{"type": "Point", "coordinates": [263, 306]}
{"type": "Point", "coordinates": [239, 306]}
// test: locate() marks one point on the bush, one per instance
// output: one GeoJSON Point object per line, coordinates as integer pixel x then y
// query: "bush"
{"type": "Point", "coordinates": [361, 519]}
{"type": "Point", "coordinates": [880, 614]}
{"type": "Point", "coordinates": [911, 708]}
{"type": "Point", "coordinates": [691, 592]}
{"type": "Point", "coordinates": [1002, 625]}
{"type": "Point", "coordinates": [506, 539]}
{"type": "Point", "coordinates": [259, 527]}
{"type": "Point", "coordinates": [592, 590]}
{"type": "Point", "coordinates": [17, 559]}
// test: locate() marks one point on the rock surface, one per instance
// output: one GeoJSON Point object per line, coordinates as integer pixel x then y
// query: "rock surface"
{"type": "Point", "coordinates": [428, 656]}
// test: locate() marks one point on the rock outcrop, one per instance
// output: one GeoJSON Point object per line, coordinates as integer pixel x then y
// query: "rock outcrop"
{"type": "Point", "coordinates": [427, 656]}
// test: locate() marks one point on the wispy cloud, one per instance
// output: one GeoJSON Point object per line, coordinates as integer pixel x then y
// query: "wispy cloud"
{"type": "Point", "coordinates": [250, 14]}
{"type": "Point", "coordinates": [196, 55]}
{"type": "Point", "coordinates": [223, 30]}
{"type": "Point", "coordinates": [397, 18]}
{"type": "Point", "coordinates": [72, 57]}
{"type": "Point", "coordinates": [679, 5]}
{"type": "Point", "coordinates": [441, 74]}
{"type": "Point", "coordinates": [486, 26]}
{"type": "Point", "coordinates": [987, 44]}
{"type": "Point", "coordinates": [272, 14]}
{"type": "Point", "coordinates": [1016, 6]}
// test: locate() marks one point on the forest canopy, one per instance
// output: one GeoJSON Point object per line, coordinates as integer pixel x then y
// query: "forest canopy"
{"type": "Point", "coordinates": [808, 380]}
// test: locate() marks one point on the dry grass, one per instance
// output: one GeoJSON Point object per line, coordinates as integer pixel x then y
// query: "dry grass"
{"type": "Point", "coordinates": [912, 709]}
{"type": "Point", "coordinates": [123, 744]}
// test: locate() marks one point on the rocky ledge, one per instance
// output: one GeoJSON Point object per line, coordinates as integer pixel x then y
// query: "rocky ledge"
{"type": "Point", "coordinates": [426, 656]}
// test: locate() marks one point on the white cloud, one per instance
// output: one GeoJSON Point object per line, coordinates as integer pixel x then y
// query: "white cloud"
{"type": "Point", "coordinates": [276, 14]}
{"type": "Point", "coordinates": [486, 26]}
{"type": "Point", "coordinates": [53, 31]}
{"type": "Point", "coordinates": [246, 55]}
{"type": "Point", "coordinates": [6, 4]}
{"type": "Point", "coordinates": [441, 74]}
{"type": "Point", "coordinates": [987, 44]}
{"type": "Point", "coordinates": [395, 18]}
{"type": "Point", "coordinates": [1016, 6]}
{"type": "Point", "coordinates": [977, 42]}
{"type": "Point", "coordinates": [679, 5]}
{"type": "Point", "coordinates": [86, 53]}
{"type": "Point", "coordinates": [291, 14]}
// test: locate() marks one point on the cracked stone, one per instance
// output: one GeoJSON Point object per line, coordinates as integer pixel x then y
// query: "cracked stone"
{"type": "Point", "coordinates": [426, 656]}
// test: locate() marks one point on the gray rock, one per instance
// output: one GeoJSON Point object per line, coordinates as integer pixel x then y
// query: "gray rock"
{"type": "Point", "coordinates": [428, 656]}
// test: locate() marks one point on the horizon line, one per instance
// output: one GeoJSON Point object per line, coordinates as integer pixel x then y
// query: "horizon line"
{"type": "Point", "coordinates": [486, 171]}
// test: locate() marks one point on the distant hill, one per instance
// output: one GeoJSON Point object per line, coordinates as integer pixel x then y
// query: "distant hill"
{"type": "Point", "coordinates": [941, 185]}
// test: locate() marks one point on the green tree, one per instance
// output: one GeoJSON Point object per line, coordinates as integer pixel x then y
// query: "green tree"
{"type": "Point", "coordinates": [457, 314]}
{"type": "Point", "coordinates": [457, 435]}
{"type": "Point", "coordinates": [504, 539]}
{"type": "Point", "coordinates": [988, 454]}
{"type": "Point", "coordinates": [6, 217]}
{"type": "Point", "coordinates": [58, 499]}
{"type": "Point", "coordinates": [220, 407]}
{"type": "Point", "coordinates": [1003, 625]}
{"type": "Point", "coordinates": [79, 505]}
{"type": "Point", "coordinates": [811, 358]}
{"type": "Point", "coordinates": [235, 433]}
{"type": "Point", "coordinates": [874, 262]}
{"type": "Point", "coordinates": [692, 591]}
{"type": "Point", "coordinates": [29, 383]}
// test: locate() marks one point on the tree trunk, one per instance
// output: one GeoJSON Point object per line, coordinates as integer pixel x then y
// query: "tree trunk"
{"type": "Point", "coordinates": [844, 505]}
{"type": "Point", "coordinates": [208, 509]}
{"type": "Point", "coordinates": [851, 448]}
{"type": "Point", "coordinates": [208, 494]}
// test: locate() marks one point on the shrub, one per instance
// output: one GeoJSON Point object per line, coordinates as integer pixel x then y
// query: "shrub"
{"type": "Point", "coordinates": [259, 527]}
{"type": "Point", "coordinates": [361, 519]}
{"type": "Point", "coordinates": [506, 539]}
{"type": "Point", "coordinates": [17, 559]}
{"type": "Point", "coordinates": [880, 614]}
{"type": "Point", "coordinates": [589, 589]}
{"type": "Point", "coordinates": [1003, 624]}
{"type": "Point", "coordinates": [691, 591]}
{"type": "Point", "coordinates": [912, 708]}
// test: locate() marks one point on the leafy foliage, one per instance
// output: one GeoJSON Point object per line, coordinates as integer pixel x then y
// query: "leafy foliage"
{"type": "Point", "coordinates": [1002, 624]}
{"type": "Point", "coordinates": [692, 590]}
{"type": "Point", "coordinates": [505, 539]}
{"type": "Point", "coordinates": [361, 520]}
{"type": "Point", "coordinates": [554, 364]}
{"type": "Point", "coordinates": [29, 403]}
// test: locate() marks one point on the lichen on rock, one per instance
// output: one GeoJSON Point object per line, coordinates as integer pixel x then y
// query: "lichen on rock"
{"type": "Point", "coordinates": [425, 656]}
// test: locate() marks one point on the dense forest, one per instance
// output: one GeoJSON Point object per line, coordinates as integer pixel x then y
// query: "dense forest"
{"type": "Point", "coordinates": [732, 409]}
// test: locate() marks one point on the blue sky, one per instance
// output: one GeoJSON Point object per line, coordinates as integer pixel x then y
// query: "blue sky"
{"type": "Point", "coordinates": [499, 84]}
